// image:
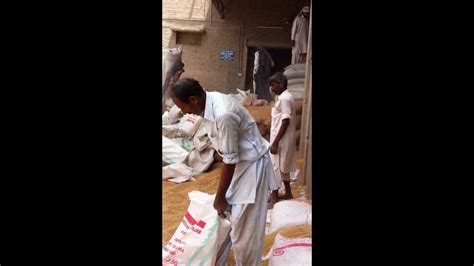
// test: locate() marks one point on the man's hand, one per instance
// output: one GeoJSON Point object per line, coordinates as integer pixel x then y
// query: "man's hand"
{"type": "Point", "coordinates": [221, 205]}
{"type": "Point", "coordinates": [292, 43]}
{"type": "Point", "coordinates": [274, 148]}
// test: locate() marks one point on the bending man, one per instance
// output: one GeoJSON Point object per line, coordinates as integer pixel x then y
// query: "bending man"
{"type": "Point", "coordinates": [247, 175]}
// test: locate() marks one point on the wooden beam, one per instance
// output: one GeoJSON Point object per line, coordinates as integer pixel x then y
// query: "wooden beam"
{"type": "Point", "coordinates": [220, 7]}
{"type": "Point", "coordinates": [196, 30]}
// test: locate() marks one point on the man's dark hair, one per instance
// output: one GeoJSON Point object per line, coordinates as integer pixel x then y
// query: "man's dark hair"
{"type": "Point", "coordinates": [185, 88]}
{"type": "Point", "coordinates": [279, 78]}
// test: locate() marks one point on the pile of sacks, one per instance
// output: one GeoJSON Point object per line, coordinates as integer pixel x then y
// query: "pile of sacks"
{"type": "Point", "coordinates": [287, 215]}
{"type": "Point", "coordinates": [296, 75]}
{"type": "Point", "coordinates": [187, 150]}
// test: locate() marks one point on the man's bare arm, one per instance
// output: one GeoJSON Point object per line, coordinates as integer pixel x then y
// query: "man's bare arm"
{"type": "Point", "coordinates": [281, 133]}
{"type": "Point", "coordinates": [220, 203]}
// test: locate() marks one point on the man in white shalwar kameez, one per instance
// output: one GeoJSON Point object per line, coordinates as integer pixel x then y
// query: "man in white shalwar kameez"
{"type": "Point", "coordinates": [247, 174]}
{"type": "Point", "coordinates": [299, 36]}
{"type": "Point", "coordinates": [282, 135]}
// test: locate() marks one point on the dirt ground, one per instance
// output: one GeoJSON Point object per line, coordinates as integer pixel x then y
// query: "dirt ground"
{"type": "Point", "coordinates": [175, 199]}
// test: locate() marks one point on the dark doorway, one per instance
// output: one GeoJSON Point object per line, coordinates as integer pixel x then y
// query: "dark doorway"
{"type": "Point", "coordinates": [281, 57]}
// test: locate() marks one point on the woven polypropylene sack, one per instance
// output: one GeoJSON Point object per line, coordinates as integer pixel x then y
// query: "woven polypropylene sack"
{"type": "Point", "coordinates": [295, 81]}
{"type": "Point", "coordinates": [172, 152]}
{"type": "Point", "coordinates": [290, 251]}
{"type": "Point", "coordinates": [296, 66]}
{"type": "Point", "coordinates": [200, 234]}
{"type": "Point", "coordinates": [294, 74]}
{"type": "Point", "coordinates": [290, 213]}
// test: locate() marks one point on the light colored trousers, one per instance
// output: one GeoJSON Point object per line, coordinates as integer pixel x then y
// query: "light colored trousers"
{"type": "Point", "coordinates": [248, 221]}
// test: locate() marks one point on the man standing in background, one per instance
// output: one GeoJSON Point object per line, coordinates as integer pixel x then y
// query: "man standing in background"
{"type": "Point", "coordinates": [261, 72]}
{"type": "Point", "coordinates": [299, 36]}
{"type": "Point", "coordinates": [282, 136]}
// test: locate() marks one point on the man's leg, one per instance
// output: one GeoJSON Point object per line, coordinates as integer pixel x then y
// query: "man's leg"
{"type": "Point", "coordinates": [274, 183]}
{"type": "Point", "coordinates": [274, 180]}
{"type": "Point", "coordinates": [294, 56]}
{"type": "Point", "coordinates": [302, 59]}
{"type": "Point", "coordinates": [273, 199]}
{"type": "Point", "coordinates": [248, 222]}
{"type": "Point", "coordinates": [286, 182]}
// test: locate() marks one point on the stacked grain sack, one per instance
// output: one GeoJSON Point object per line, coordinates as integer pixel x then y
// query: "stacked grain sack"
{"type": "Point", "coordinates": [288, 237]}
{"type": "Point", "coordinates": [296, 76]}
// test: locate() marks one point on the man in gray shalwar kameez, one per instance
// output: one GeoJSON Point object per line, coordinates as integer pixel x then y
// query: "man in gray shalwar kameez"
{"type": "Point", "coordinates": [262, 72]}
{"type": "Point", "coordinates": [299, 37]}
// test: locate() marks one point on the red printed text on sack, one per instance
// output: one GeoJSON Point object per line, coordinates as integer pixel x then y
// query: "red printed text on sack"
{"type": "Point", "coordinates": [171, 261]}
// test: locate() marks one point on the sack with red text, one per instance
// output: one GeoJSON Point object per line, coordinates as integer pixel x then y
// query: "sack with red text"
{"type": "Point", "coordinates": [290, 251]}
{"type": "Point", "coordinates": [189, 124]}
{"type": "Point", "coordinates": [200, 234]}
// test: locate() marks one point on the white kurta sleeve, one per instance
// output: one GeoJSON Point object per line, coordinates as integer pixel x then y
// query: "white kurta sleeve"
{"type": "Point", "coordinates": [228, 131]}
{"type": "Point", "coordinates": [285, 107]}
{"type": "Point", "coordinates": [255, 63]}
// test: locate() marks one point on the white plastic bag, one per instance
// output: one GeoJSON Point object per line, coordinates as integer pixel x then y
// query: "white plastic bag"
{"type": "Point", "coordinates": [178, 173]}
{"type": "Point", "coordinates": [180, 179]}
{"type": "Point", "coordinates": [199, 236]}
{"type": "Point", "coordinates": [290, 213]}
{"type": "Point", "coordinates": [172, 151]}
{"type": "Point", "coordinates": [241, 95]}
{"type": "Point", "coordinates": [246, 97]}
{"type": "Point", "coordinates": [290, 251]}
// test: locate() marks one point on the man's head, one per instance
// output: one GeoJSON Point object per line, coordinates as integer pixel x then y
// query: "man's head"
{"type": "Point", "coordinates": [305, 12]}
{"type": "Point", "coordinates": [278, 83]}
{"type": "Point", "coordinates": [189, 96]}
